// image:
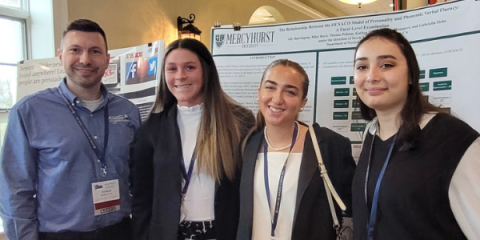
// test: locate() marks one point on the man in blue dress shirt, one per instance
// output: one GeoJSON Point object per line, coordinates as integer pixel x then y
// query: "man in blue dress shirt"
{"type": "Point", "coordinates": [64, 164]}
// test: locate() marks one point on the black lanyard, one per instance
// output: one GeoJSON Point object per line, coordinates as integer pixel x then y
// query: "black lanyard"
{"type": "Point", "coordinates": [100, 155]}
{"type": "Point", "coordinates": [187, 175]}
{"type": "Point", "coordinates": [373, 212]}
{"type": "Point", "coordinates": [280, 181]}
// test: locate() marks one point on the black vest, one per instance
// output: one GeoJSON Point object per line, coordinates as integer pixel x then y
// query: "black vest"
{"type": "Point", "coordinates": [413, 201]}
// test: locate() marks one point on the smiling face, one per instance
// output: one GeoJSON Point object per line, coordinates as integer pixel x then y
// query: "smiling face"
{"type": "Point", "coordinates": [84, 57]}
{"type": "Point", "coordinates": [381, 75]}
{"type": "Point", "coordinates": [184, 77]}
{"type": "Point", "coordinates": [280, 96]}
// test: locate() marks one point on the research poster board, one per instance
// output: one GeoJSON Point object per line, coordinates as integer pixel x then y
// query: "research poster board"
{"type": "Point", "coordinates": [444, 36]}
{"type": "Point", "coordinates": [133, 73]}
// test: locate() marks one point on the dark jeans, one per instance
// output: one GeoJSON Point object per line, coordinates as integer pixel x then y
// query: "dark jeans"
{"type": "Point", "coordinates": [119, 231]}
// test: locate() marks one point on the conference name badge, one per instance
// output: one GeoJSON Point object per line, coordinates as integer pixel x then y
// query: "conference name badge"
{"type": "Point", "coordinates": [106, 197]}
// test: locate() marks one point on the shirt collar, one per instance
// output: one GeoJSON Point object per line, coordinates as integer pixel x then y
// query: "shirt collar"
{"type": "Point", "coordinates": [373, 126]}
{"type": "Point", "coordinates": [72, 98]}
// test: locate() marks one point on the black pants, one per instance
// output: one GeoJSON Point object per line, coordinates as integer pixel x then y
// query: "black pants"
{"type": "Point", "coordinates": [119, 231]}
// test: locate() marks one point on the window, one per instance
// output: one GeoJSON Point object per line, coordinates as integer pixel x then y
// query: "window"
{"type": "Point", "coordinates": [13, 17]}
{"type": "Point", "coordinates": [15, 4]}
{"type": "Point", "coordinates": [11, 3]}
{"type": "Point", "coordinates": [13, 50]}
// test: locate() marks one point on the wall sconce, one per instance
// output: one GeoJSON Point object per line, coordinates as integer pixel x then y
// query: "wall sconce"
{"type": "Point", "coordinates": [189, 31]}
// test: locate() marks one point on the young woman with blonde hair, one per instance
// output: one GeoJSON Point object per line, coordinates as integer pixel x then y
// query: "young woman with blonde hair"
{"type": "Point", "coordinates": [187, 155]}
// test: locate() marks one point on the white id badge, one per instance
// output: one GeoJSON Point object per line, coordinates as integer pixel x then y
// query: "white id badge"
{"type": "Point", "coordinates": [106, 197]}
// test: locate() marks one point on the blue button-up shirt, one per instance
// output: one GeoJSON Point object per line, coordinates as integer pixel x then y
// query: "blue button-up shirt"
{"type": "Point", "coordinates": [48, 165]}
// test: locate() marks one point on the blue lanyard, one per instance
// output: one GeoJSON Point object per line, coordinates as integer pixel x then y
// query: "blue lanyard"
{"type": "Point", "coordinates": [373, 212]}
{"type": "Point", "coordinates": [187, 175]}
{"type": "Point", "coordinates": [280, 181]}
{"type": "Point", "coordinates": [100, 154]}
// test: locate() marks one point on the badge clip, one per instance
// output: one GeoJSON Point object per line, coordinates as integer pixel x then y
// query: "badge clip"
{"type": "Point", "coordinates": [104, 170]}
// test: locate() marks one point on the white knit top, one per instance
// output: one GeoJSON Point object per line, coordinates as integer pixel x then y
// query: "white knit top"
{"type": "Point", "coordinates": [198, 204]}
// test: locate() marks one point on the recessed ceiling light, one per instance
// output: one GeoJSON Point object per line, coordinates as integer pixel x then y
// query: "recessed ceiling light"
{"type": "Point", "coordinates": [391, 5]}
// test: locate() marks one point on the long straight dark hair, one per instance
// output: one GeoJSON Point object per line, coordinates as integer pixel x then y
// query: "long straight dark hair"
{"type": "Point", "coordinates": [220, 132]}
{"type": "Point", "coordinates": [416, 104]}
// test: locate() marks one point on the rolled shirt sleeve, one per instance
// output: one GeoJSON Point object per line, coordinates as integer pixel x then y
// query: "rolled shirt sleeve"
{"type": "Point", "coordinates": [464, 192]}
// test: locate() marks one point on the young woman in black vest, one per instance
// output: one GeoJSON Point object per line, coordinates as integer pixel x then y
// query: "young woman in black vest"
{"type": "Point", "coordinates": [187, 154]}
{"type": "Point", "coordinates": [281, 146]}
{"type": "Point", "coordinates": [418, 174]}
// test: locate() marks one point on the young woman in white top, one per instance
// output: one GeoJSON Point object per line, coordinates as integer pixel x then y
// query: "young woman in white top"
{"type": "Point", "coordinates": [187, 155]}
{"type": "Point", "coordinates": [282, 195]}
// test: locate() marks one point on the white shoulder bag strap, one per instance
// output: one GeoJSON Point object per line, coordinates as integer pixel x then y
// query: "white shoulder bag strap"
{"type": "Point", "coordinates": [326, 180]}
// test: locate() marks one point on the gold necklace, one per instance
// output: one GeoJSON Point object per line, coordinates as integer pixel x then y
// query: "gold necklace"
{"type": "Point", "coordinates": [281, 148]}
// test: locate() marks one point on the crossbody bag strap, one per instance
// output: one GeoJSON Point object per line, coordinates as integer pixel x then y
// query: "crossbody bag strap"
{"type": "Point", "coordinates": [330, 190]}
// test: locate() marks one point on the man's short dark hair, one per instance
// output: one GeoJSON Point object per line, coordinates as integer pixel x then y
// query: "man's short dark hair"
{"type": "Point", "coordinates": [85, 25]}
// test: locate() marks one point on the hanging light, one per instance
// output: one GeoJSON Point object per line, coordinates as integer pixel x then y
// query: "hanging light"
{"type": "Point", "coordinates": [188, 31]}
{"type": "Point", "coordinates": [357, 2]}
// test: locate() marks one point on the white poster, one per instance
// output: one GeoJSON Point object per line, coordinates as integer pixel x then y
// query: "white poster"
{"type": "Point", "coordinates": [445, 38]}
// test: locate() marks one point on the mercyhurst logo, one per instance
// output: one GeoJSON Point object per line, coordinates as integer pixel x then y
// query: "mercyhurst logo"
{"type": "Point", "coordinates": [219, 39]}
{"type": "Point", "coordinates": [246, 40]}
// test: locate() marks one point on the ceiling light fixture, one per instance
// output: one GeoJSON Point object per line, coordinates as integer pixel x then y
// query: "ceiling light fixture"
{"type": "Point", "coordinates": [357, 2]}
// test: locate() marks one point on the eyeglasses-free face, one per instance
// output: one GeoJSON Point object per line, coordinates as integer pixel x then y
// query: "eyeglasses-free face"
{"type": "Point", "coordinates": [280, 96]}
{"type": "Point", "coordinates": [381, 75]}
{"type": "Point", "coordinates": [184, 77]}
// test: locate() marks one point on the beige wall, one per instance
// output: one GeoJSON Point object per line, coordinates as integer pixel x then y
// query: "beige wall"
{"type": "Point", "coordinates": [415, 4]}
{"type": "Point", "coordinates": [130, 23]}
